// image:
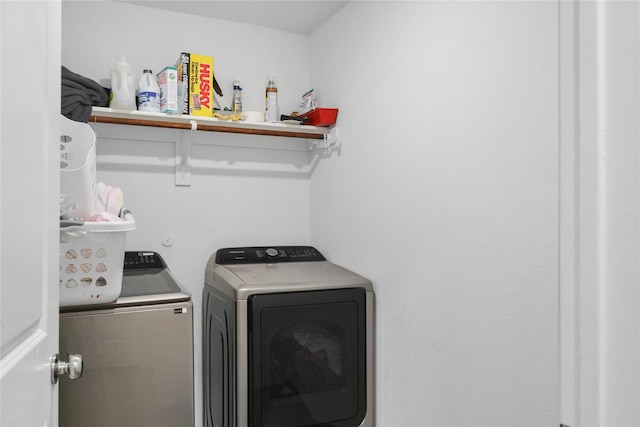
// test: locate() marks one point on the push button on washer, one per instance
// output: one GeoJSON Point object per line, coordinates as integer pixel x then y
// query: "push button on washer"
{"type": "Point", "coordinates": [272, 252]}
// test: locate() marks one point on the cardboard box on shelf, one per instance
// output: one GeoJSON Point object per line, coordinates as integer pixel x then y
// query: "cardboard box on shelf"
{"type": "Point", "coordinates": [182, 67]}
{"type": "Point", "coordinates": [168, 82]}
{"type": "Point", "coordinates": [197, 71]}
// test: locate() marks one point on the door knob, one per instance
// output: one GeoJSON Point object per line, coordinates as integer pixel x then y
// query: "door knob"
{"type": "Point", "coordinates": [73, 367]}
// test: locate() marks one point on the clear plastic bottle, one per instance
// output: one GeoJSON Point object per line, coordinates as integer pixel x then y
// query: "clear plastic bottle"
{"type": "Point", "coordinates": [148, 92]}
{"type": "Point", "coordinates": [237, 97]}
{"type": "Point", "coordinates": [271, 111]}
{"type": "Point", "coordinates": [123, 89]}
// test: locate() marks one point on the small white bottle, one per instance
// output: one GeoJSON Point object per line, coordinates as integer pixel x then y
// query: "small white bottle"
{"type": "Point", "coordinates": [123, 90]}
{"type": "Point", "coordinates": [148, 92]}
{"type": "Point", "coordinates": [237, 97]}
{"type": "Point", "coordinates": [271, 110]}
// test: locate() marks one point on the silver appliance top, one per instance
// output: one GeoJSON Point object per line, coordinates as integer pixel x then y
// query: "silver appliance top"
{"type": "Point", "coordinates": [241, 272]}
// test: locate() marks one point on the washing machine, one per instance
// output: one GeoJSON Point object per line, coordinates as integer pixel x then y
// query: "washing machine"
{"type": "Point", "coordinates": [287, 340]}
{"type": "Point", "coordinates": [137, 352]}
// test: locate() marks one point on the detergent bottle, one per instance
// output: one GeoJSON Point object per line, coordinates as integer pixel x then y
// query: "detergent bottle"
{"type": "Point", "coordinates": [123, 89]}
{"type": "Point", "coordinates": [148, 92]}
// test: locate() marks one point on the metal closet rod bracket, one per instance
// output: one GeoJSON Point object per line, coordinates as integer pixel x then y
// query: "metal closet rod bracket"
{"type": "Point", "coordinates": [330, 140]}
{"type": "Point", "coordinates": [183, 151]}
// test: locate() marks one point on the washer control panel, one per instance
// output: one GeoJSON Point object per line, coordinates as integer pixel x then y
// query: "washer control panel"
{"type": "Point", "coordinates": [143, 260]}
{"type": "Point", "coordinates": [268, 255]}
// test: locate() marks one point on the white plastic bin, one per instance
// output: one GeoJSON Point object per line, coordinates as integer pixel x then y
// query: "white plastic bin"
{"type": "Point", "coordinates": [78, 187]}
{"type": "Point", "coordinates": [92, 261]}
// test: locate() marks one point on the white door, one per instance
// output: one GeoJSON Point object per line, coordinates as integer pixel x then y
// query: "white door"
{"type": "Point", "coordinates": [29, 187]}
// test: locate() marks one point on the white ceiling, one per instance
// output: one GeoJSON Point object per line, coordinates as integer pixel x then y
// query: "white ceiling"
{"type": "Point", "coordinates": [295, 16]}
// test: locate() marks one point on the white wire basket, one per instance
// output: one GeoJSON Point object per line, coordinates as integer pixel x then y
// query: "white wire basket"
{"type": "Point", "coordinates": [92, 261]}
{"type": "Point", "coordinates": [78, 186]}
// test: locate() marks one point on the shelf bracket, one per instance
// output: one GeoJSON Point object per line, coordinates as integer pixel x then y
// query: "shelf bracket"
{"type": "Point", "coordinates": [331, 140]}
{"type": "Point", "coordinates": [183, 158]}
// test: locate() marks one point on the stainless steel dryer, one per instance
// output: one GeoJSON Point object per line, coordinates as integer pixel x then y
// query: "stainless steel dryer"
{"type": "Point", "coordinates": [137, 353]}
{"type": "Point", "coordinates": [287, 340]}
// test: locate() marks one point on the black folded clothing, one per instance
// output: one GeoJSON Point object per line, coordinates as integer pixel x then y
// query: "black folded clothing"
{"type": "Point", "coordinates": [79, 94]}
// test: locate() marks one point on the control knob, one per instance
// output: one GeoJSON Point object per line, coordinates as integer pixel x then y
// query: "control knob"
{"type": "Point", "coordinates": [272, 252]}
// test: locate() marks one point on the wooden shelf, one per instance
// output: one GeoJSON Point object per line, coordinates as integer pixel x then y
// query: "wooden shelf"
{"type": "Point", "coordinates": [317, 138]}
{"type": "Point", "coordinates": [142, 118]}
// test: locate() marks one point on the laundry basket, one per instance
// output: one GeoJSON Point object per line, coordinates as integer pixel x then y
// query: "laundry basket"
{"type": "Point", "coordinates": [78, 188]}
{"type": "Point", "coordinates": [92, 261]}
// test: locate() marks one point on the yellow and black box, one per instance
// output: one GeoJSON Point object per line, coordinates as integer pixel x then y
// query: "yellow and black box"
{"type": "Point", "coordinates": [197, 71]}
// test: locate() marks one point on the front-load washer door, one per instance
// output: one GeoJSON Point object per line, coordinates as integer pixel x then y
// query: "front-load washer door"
{"type": "Point", "coordinates": [307, 353]}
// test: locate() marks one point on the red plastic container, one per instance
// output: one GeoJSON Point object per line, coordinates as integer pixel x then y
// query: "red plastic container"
{"type": "Point", "coordinates": [321, 117]}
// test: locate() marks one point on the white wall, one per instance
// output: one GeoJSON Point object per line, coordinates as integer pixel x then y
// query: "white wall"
{"type": "Point", "coordinates": [238, 196]}
{"type": "Point", "coordinates": [444, 193]}
{"type": "Point", "coordinates": [95, 31]}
